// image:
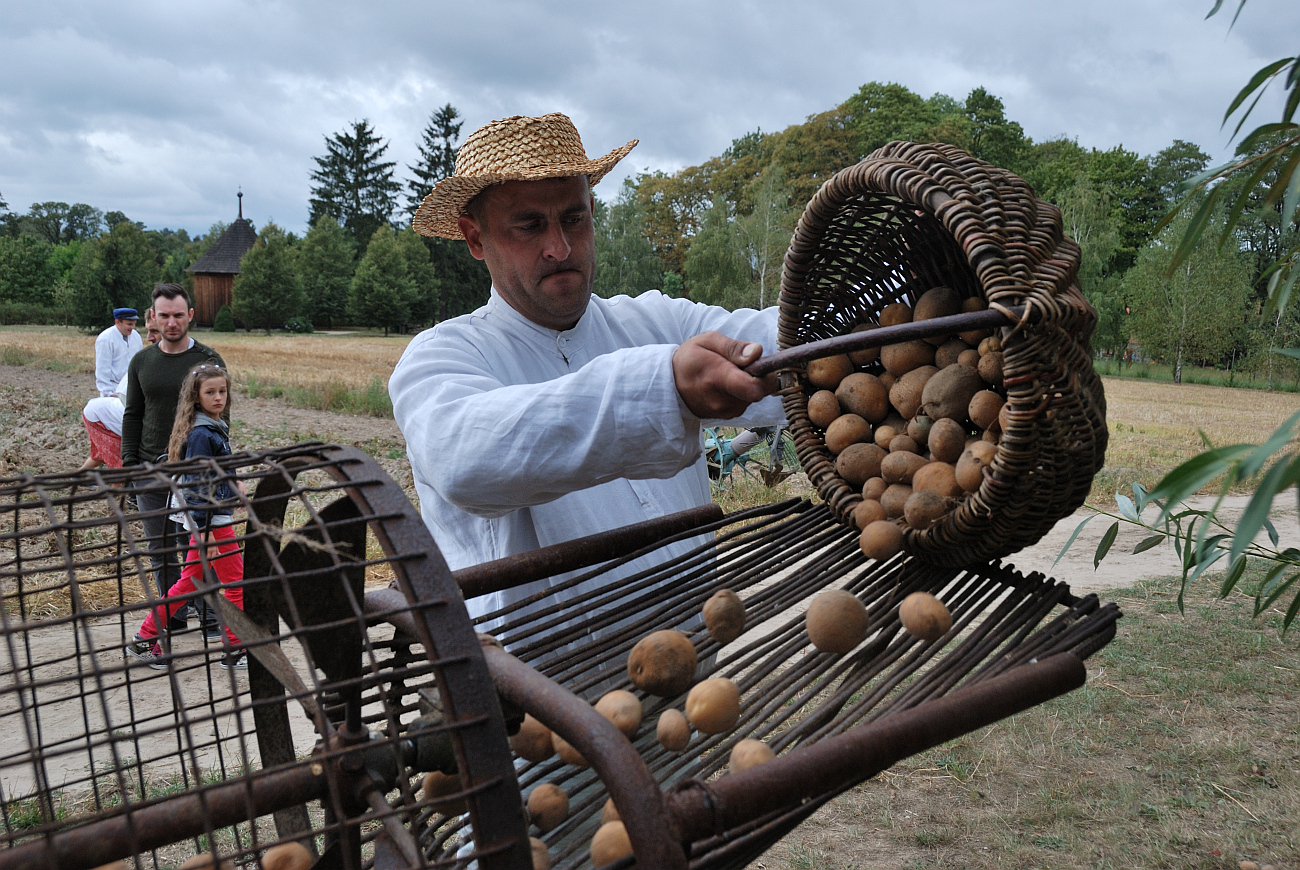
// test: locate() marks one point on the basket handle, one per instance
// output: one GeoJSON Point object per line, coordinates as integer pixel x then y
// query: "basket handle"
{"type": "Point", "coordinates": [800, 354]}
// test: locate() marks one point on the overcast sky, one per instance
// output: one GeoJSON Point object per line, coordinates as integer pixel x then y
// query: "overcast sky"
{"type": "Point", "coordinates": [162, 109]}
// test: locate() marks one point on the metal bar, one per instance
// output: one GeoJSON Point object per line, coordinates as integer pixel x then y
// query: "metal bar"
{"type": "Point", "coordinates": [636, 794]}
{"type": "Point", "coordinates": [800, 354]}
{"type": "Point", "coordinates": [700, 809]}
{"type": "Point", "coordinates": [136, 831]}
{"type": "Point", "coordinates": [545, 562]}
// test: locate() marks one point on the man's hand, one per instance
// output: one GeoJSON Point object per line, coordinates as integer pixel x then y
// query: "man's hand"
{"type": "Point", "coordinates": [707, 371]}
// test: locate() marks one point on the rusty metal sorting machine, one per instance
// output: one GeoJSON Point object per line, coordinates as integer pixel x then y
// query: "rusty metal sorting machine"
{"type": "Point", "coordinates": [366, 673]}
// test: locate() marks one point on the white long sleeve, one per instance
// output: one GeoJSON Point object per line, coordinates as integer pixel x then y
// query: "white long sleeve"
{"type": "Point", "coordinates": [113, 353]}
{"type": "Point", "coordinates": [521, 436]}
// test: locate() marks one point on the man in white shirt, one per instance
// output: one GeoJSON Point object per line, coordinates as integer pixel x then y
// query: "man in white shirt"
{"type": "Point", "coordinates": [550, 414]}
{"type": "Point", "coordinates": [114, 348]}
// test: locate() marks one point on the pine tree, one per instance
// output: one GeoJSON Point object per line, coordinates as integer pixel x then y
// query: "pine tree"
{"type": "Point", "coordinates": [437, 155]}
{"type": "Point", "coordinates": [381, 287]}
{"type": "Point", "coordinates": [625, 262]}
{"type": "Point", "coordinates": [267, 291]}
{"type": "Point", "coordinates": [353, 184]}
{"type": "Point", "coordinates": [325, 266]}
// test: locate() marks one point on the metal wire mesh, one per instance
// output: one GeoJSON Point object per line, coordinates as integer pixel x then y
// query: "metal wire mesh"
{"type": "Point", "coordinates": [105, 754]}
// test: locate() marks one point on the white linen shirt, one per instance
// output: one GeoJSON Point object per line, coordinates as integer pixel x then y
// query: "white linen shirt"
{"type": "Point", "coordinates": [113, 352]}
{"type": "Point", "coordinates": [521, 436]}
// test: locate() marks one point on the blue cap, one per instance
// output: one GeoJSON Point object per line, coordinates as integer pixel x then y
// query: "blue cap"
{"type": "Point", "coordinates": [125, 314]}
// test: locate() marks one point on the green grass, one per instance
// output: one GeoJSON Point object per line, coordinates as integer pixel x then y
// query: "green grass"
{"type": "Point", "coordinates": [370, 400]}
{"type": "Point", "coordinates": [1214, 377]}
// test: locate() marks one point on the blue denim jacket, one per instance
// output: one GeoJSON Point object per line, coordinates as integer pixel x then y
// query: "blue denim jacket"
{"type": "Point", "coordinates": [210, 502]}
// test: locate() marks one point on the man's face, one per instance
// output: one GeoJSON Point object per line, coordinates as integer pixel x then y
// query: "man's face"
{"type": "Point", "coordinates": [124, 325]}
{"type": "Point", "coordinates": [172, 317]}
{"type": "Point", "coordinates": [152, 334]}
{"type": "Point", "coordinates": [539, 244]}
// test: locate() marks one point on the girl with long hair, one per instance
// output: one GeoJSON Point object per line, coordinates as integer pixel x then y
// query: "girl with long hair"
{"type": "Point", "coordinates": [206, 510]}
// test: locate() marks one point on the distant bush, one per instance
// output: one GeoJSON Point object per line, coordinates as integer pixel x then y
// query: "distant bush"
{"type": "Point", "coordinates": [13, 313]}
{"type": "Point", "coordinates": [224, 321]}
{"type": "Point", "coordinates": [298, 324]}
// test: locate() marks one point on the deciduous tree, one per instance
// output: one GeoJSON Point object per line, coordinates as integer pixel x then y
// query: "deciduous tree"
{"type": "Point", "coordinates": [325, 264]}
{"type": "Point", "coordinates": [716, 271]}
{"type": "Point", "coordinates": [381, 288]}
{"type": "Point", "coordinates": [268, 291]}
{"type": "Point", "coordinates": [425, 297]}
{"type": "Point", "coordinates": [117, 270]}
{"type": "Point", "coordinates": [626, 264]}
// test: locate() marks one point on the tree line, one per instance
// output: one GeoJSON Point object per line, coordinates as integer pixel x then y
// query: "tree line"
{"type": "Point", "coordinates": [716, 233]}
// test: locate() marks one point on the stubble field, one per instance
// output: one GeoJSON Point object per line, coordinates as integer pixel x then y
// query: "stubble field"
{"type": "Point", "coordinates": [1182, 750]}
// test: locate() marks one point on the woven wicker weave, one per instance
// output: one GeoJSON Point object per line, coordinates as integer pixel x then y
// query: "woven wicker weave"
{"type": "Point", "coordinates": [911, 217]}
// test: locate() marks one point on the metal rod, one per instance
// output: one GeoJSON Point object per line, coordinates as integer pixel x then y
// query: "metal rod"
{"type": "Point", "coordinates": [545, 562]}
{"type": "Point", "coordinates": [800, 354]}
{"type": "Point", "coordinates": [629, 783]}
{"type": "Point", "coordinates": [175, 819]}
{"type": "Point", "coordinates": [700, 809]}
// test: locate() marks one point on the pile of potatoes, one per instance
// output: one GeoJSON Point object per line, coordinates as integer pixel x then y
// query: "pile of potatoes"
{"type": "Point", "coordinates": [912, 425]}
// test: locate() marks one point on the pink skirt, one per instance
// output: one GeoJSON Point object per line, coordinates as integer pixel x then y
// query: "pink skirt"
{"type": "Point", "coordinates": [105, 444]}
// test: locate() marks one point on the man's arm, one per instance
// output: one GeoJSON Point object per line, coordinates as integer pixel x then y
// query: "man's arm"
{"type": "Point", "coordinates": [104, 381]}
{"type": "Point", "coordinates": [132, 414]}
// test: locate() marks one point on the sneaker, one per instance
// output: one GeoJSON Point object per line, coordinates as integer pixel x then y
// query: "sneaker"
{"type": "Point", "coordinates": [180, 619]}
{"type": "Point", "coordinates": [235, 662]}
{"type": "Point", "coordinates": [213, 631]}
{"type": "Point", "coordinates": [147, 651]}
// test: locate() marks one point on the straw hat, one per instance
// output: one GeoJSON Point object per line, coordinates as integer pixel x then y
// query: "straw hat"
{"type": "Point", "coordinates": [512, 149]}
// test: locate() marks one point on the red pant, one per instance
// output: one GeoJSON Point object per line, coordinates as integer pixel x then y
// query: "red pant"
{"type": "Point", "coordinates": [229, 567]}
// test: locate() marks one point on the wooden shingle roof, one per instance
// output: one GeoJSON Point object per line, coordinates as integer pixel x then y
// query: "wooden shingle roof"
{"type": "Point", "coordinates": [224, 255]}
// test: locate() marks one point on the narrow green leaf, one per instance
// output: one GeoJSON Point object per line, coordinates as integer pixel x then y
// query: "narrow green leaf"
{"type": "Point", "coordinates": [1293, 352]}
{"type": "Point", "coordinates": [1252, 519]}
{"type": "Point", "coordinates": [1217, 4]}
{"type": "Point", "coordinates": [1282, 435]}
{"type": "Point", "coordinates": [1292, 189]}
{"type": "Point", "coordinates": [1188, 478]}
{"type": "Point", "coordinates": [1272, 531]}
{"type": "Point", "coordinates": [1266, 584]}
{"type": "Point", "coordinates": [1195, 227]}
{"type": "Point", "coordinates": [1077, 529]}
{"type": "Point", "coordinates": [1232, 577]}
{"type": "Point", "coordinates": [1147, 543]}
{"type": "Point", "coordinates": [1264, 74]}
{"type": "Point", "coordinates": [1140, 494]}
{"type": "Point", "coordinates": [1291, 613]}
{"type": "Point", "coordinates": [1278, 592]}
{"type": "Point", "coordinates": [1126, 508]}
{"type": "Point", "coordinates": [1104, 547]}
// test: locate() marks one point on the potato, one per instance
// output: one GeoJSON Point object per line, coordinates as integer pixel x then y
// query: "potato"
{"type": "Point", "coordinates": [827, 372]}
{"type": "Point", "coordinates": [969, 471]}
{"type": "Point", "coordinates": [938, 476]}
{"type": "Point", "coordinates": [623, 709]}
{"type": "Point", "coordinates": [895, 313]}
{"type": "Point", "coordinates": [858, 463]}
{"type": "Point", "coordinates": [949, 392]}
{"type": "Point", "coordinates": [874, 488]}
{"type": "Point", "coordinates": [287, 856]}
{"type": "Point", "coordinates": [901, 358]}
{"type": "Point", "coordinates": [881, 540]}
{"type": "Point", "coordinates": [907, 391]}
{"type": "Point", "coordinates": [672, 730]}
{"type": "Point", "coordinates": [923, 507]}
{"type": "Point", "coordinates": [864, 395]}
{"type": "Point", "coordinates": [883, 435]}
{"type": "Point", "coordinates": [947, 440]}
{"type": "Point", "coordinates": [887, 379]}
{"type": "Point", "coordinates": [567, 753]}
{"type": "Point", "coordinates": [903, 444]}
{"type": "Point", "coordinates": [435, 787]}
{"type": "Point", "coordinates": [823, 408]}
{"type": "Point", "coordinates": [918, 428]}
{"type": "Point", "coordinates": [974, 336]}
{"type": "Point", "coordinates": [866, 356]}
{"type": "Point", "coordinates": [836, 620]}
{"type": "Point", "coordinates": [949, 351]}
{"type": "Point", "coordinates": [924, 616]}
{"type": "Point", "coordinates": [548, 805]}
{"type": "Point", "coordinates": [724, 616]}
{"type": "Point", "coordinates": [1004, 417]}
{"type": "Point", "coordinates": [899, 467]}
{"type": "Point", "coordinates": [990, 368]}
{"type": "Point", "coordinates": [992, 344]}
{"type": "Point", "coordinates": [609, 812]}
{"type": "Point", "coordinates": [867, 512]}
{"type": "Point", "coordinates": [610, 843]}
{"type": "Point", "coordinates": [713, 705]}
{"type": "Point", "coordinates": [749, 753]}
{"type": "Point", "coordinates": [969, 358]}
{"type": "Point", "coordinates": [937, 302]}
{"type": "Point", "coordinates": [541, 857]}
{"type": "Point", "coordinates": [894, 498]}
{"type": "Point", "coordinates": [533, 742]}
{"type": "Point", "coordinates": [847, 429]}
{"type": "Point", "coordinates": [663, 663]}
{"type": "Point", "coordinates": [983, 409]}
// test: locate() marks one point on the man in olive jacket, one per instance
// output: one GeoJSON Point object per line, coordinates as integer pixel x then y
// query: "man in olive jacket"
{"type": "Point", "coordinates": [153, 386]}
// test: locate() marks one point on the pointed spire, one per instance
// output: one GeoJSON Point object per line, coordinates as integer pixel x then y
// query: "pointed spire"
{"type": "Point", "coordinates": [241, 202]}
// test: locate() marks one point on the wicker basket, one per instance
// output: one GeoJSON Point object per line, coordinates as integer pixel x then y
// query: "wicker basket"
{"type": "Point", "coordinates": [911, 217]}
